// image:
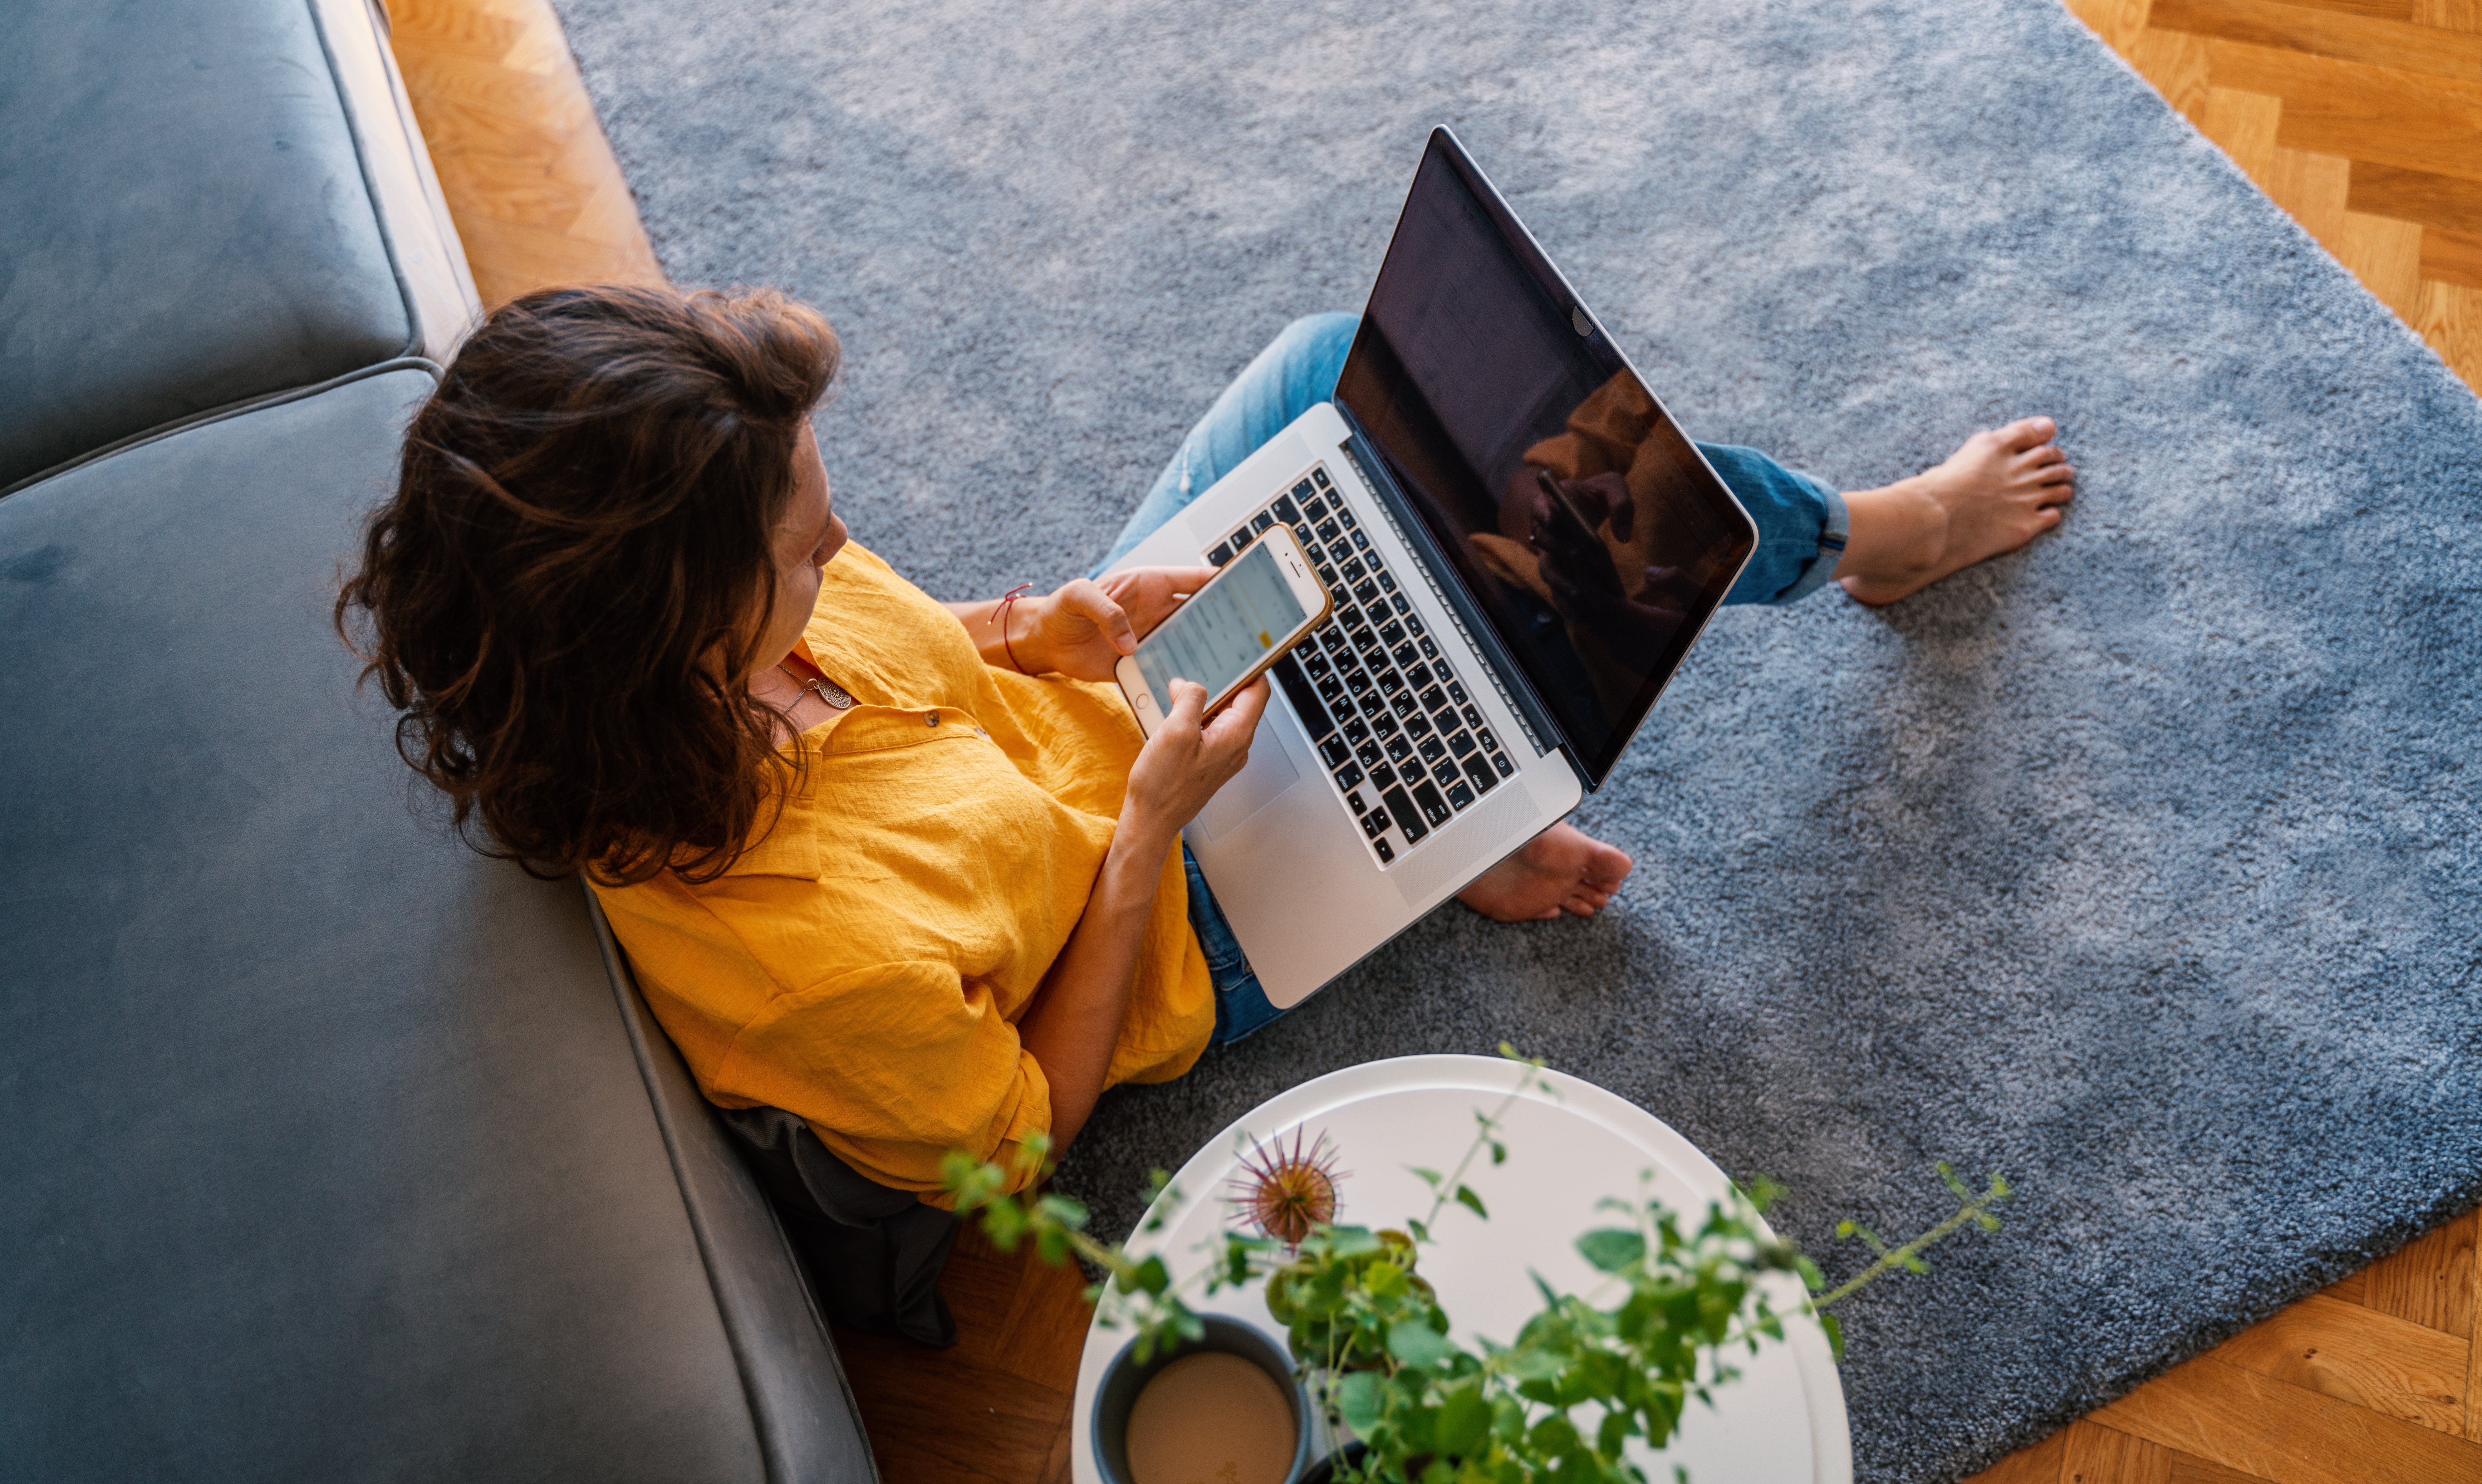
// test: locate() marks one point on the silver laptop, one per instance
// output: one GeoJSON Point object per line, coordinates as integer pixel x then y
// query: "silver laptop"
{"type": "Point", "coordinates": [1523, 547]}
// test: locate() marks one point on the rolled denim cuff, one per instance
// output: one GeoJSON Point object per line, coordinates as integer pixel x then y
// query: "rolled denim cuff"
{"type": "Point", "coordinates": [1831, 538]}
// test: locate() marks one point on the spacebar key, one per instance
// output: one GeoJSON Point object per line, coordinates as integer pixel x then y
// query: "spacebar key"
{"type": "Point", "coordinates": [1306, 701]}
{"type": "Point", "coordinates": [1401, 809]}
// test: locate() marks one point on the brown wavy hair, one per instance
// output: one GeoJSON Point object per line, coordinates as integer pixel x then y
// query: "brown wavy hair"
{"type": "Point", "coordinates": [575, 569]}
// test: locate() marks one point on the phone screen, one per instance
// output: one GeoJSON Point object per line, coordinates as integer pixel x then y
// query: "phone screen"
{"type": "Point", "coordinates": [1216, 637]}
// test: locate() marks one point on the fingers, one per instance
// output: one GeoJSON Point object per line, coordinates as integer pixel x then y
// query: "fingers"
{"type": "Point", "coordinates": [1238, 721]}
{"type": "Point", "coordinates": [1089, 600]}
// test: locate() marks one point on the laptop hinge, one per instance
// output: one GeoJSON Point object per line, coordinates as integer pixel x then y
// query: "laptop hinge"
{"type": "Point", "coordinates": [1507, 676]}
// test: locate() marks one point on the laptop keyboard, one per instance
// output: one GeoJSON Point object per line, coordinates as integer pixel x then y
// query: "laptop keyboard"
{"type": "Point", "coordinates": [1403, 741]}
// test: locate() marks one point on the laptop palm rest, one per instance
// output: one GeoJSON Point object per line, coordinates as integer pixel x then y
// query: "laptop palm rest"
{"type": "Point", "coordinates": [1421, 875]}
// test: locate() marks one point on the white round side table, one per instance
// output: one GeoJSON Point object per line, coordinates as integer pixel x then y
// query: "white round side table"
{"type": "Point", "coordinates": [1570, 1147]}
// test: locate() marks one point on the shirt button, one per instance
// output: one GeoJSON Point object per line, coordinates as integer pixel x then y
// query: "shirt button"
{"type": "Point", "coordinates": [934, 719]}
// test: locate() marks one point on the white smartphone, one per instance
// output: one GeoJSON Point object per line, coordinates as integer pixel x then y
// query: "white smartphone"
{"type": "Point", "coordinates": [1227, 633]}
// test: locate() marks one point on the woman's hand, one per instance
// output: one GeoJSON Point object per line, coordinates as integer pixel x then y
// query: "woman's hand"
{"type": "Point", "coordinates": [1186, 761]}
{"type": "Point", "coordinates": [1084, 629]}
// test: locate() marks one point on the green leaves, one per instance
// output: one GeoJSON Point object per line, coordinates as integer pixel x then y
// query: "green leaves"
{"type": "Point", "coordinates": [1612, 1251]}
{"type": "Point", "coordinates": [1414, 1343]}
{"type": "Point", "coordinates": [1683, 1297]}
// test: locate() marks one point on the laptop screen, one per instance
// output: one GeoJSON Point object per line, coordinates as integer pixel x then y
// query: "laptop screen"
{"type": "Point", "coordinates": [1593, 536]}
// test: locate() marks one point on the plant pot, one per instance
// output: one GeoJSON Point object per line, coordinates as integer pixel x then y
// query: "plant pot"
{"type": "Point", "coordinates": [1117, 1394]}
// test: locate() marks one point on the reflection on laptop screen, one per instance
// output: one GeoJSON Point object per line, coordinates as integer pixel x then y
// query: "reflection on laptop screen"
{"type": "Point", "coordinates": [1595, 541]}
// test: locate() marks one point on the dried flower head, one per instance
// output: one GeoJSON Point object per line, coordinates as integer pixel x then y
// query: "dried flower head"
{"type": "Point", "coordinates": [1285, 1192]}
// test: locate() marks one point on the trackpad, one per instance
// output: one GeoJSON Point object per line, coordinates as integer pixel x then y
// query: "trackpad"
{"type": "Point", "coordinates": [1261, 782]}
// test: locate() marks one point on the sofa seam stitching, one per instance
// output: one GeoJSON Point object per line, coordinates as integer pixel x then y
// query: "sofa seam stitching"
{"type": "Point", "coordinates": [216, 415]}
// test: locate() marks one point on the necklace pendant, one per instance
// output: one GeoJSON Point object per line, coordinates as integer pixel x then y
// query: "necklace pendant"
{"type": "Point", "coordinates": [833, 694]}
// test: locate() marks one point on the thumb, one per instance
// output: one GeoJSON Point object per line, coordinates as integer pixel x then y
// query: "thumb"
{"type": "Point", "coordinates": [1188, 701]}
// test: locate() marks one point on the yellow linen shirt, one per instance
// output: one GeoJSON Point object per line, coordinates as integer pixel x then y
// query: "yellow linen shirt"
{"type": "Point", "coordinates": [865, 963]}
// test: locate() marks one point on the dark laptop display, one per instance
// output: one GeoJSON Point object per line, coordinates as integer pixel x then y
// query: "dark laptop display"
{"type": "Point", "coordinates": [1592, 535]}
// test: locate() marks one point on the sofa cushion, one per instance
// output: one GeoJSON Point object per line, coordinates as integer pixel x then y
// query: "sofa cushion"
{"type": "Point", "coordinates": [330, 1155]}
{"type": "Point", "coordinates": [184, 221]}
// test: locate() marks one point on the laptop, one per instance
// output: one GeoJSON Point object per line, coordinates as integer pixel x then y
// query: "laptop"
{"type": "Point", "coordinates": [1523, 547]}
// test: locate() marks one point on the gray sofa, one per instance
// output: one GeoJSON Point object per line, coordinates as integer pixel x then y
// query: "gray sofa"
{"type": "Point", "coordinates": [328, 1150]}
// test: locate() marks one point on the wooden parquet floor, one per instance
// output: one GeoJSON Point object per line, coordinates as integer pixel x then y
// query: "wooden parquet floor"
{"type": "Point", "coordinates": [2362, 118]}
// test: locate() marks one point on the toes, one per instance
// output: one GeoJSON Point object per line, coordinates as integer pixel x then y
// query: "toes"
{"type": "Point", "coordinates": [2027, 433]}
{"type": "Point", "coordinates": [2057, 474]}
{"type": "Point", "coordinates": [2045, 456]}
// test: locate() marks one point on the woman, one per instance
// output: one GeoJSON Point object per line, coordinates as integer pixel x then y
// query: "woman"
{"type": "Point", "coordinates": [905, 871]}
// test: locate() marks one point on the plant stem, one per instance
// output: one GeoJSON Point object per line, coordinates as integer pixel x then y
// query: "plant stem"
{"type": "Point", "coordinates": [1442, 1193]}
{"type": "Point", "coordinates": [1898, 1257]}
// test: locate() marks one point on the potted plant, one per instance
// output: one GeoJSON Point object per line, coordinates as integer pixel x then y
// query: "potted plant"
{"type": "Point", "coordinates": [1586, 1381]}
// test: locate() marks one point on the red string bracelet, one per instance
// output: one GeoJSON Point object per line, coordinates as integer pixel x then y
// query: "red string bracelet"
{"type": "Point", "coordinates": [1007, 599]}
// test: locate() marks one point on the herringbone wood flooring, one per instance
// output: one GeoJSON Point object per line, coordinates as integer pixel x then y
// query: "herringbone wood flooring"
{"type": "Point", "coordinates": [2363, 118]}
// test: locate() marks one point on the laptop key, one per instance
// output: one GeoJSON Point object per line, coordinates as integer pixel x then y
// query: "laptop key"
{"type": "Point", "coordinates": [1383, 723]}
{"type": "Point", "coordinates": [1365, 590]}
{"type": "Point", "coordinates": [1388, 580]}
{"type": "Point", "coordinates": [1413, 623]}
{"type": "Point", "coordinates": [1219, 553]}
{"type": "Point", "coordinates": [1416, 724]}
{"type": "Point", "coordinates": [1327, 575]}
{"type": "Point", "coordinates": [1401, 807]}
{"type": "Point", "coordinates": [1433, 749]}
{"type": "Point", "coordinates": [1262, 520]}
{"type": "Point", "coordinates": [1405, 703]}
{"type": "Point", "coordinates": [1335, 751]}
{"type": "Point", "coordinates": [1306, 701]}
{"type": "Point", "coordinates": [1490, 743]}
{"type": "Point", "coordinates": [1456, 692]}
{"type": "Point", "coordinates": [1349, 776]}
{"type": "Point", "coordinates": [1398, 749]}
{"type": "Point", "coordinates": [1314, 509]}
{"type": "Point", "coordinates": [1391, 682]}
{"type": "Point", "coordinates": [1430, 650]}
{"type": "Point", "coordinates": [1362, 539]}
{"type": "Point", "coordinates": [1460, 795]}
{"type": "Point", "coordinates": [1473, 718]}
{"type": "Point", "coordinates": [1353, 570]}
{"type": "Point", "coordinates": [1419, 678]}
{"type": "Point", "coordinates": [1330, 687]}
{"type": "Point", "coordinates": [1461, 743]}
{"type": "Point", "coordinates": [1285, 509]}
{"type": "Point", "coordinates": [1368, 752]}
{"type": "Point", "coordinates": [1355, 729]}
{"type": "Point", "coordinates": [1403, 654]}
{"type": "Point", "coordinates": [1318, 477]}
{"type": "Point", "coordinates": [1392, 634]}
{"type": "Point", "coordinates": [1303, 491]}
{"type": "Point", "coordinates": [1434, 808]}
{"type": "Point", "coordinates": [1354, 618]}
{"type": "Point", "coordinates": [1385, 853]}
{"type": "Point", "coordinates": [1327, 531]}
{"type": "Point", "coordinates": [1353, 797]}
{"type": "Point", "coordinates": [1344, 512]}
{"type": "Point", "coordinates": [1501, 765]}
{"type": "Point", "coordinates": [1480, 771]}
{"type": "Point", "coordinates": [1374, 822]}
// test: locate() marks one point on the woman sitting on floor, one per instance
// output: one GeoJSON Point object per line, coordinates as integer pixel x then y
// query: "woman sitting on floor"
{"type": "Point", "coordinates": [907, 871]}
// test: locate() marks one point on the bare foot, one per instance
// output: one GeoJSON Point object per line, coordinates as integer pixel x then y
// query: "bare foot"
{"type": "Point", "coordinates": [2005, 487]}
{"type": "Point", "coordinates": [1562, 869]}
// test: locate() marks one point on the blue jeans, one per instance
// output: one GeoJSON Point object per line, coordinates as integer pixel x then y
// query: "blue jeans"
{"type": "Point", "coordinates": [1802, 529]}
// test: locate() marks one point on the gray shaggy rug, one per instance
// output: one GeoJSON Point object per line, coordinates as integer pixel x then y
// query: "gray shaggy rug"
{"type": "Point", "coordinates": [2140, 864]}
